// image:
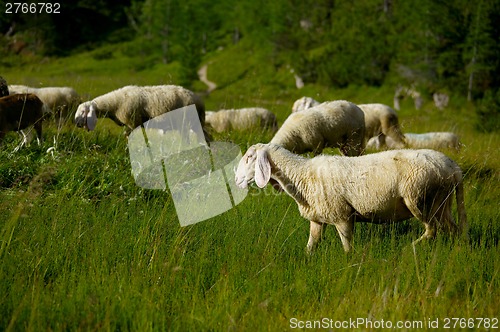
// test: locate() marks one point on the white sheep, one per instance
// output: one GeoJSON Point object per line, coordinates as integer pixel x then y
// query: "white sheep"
{"type": "Point", "coordinates": [304, 103]}
{"type": "Point", "coordinates": [389, 186]}
{"type": "Point", "coordinates": [338, 124]}
{"type": "Point", "coordinates": [403, 92]}
{"type": "Point", "coordinates": [59, 99]}
{"type": "Point", "coordinates": [432, 140]}
{"type": "Point", "coordinates": [22, 111]}
{"type": "Point", "coordinates": [241, 119]}
{"type": "Point", "coordinates": [381, 121]}
{"type": "Point", "coordinates": [132, 105]}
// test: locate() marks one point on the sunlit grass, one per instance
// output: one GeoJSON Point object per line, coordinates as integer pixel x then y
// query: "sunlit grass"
{"type": "Point", "coordinates": [83, 248]}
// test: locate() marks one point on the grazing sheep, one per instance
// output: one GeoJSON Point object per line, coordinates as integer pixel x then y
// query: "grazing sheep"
{"type": "Point", "coordinates": [20, 111]}
{"type": "Point", "coordinates": [241, 119]}
{"type": "Point", "coordinates": [403, 92]}
{"type": "Point", "coordinates": [304, 103]}
{"type": "Point", "coordinates": [132, 105]}
{"type": "Point", "coordinates": [381, 121]}
{"type": "Point", "coordinates": [432, 140]}
{"type": "Point", "coordinates": [338, 124]}
{"type": "Point", "coordinates": [441, 100]}
{"type": "Point", "coordinates": [59, 99]}
{"type": "Point", "coordinates": [389, 186]}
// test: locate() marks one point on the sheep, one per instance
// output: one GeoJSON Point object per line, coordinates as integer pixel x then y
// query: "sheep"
{"type": "Point", "coordinates": [132, 105]}
{"type": "Point", "coordinates": [381, 121]}
{"type": "Point", "coordinates": [432, 140]}
{"type": "Point", "coordinates": [402, 92]}
{"type": "Point", "coordinates": [59, 99]}
{"type": "Point", "coordinates": [332, 124]}
{"type": "Point", "coordinates": [20, 111]}
{"type": "Point", "coordinates": [441, 100]}
{"type": "Point", "coordinates": [241, 119]}
{"type": "Point", "coordinates": [304, 103]}
{"type": "Point", "coordinates": [389, 186]}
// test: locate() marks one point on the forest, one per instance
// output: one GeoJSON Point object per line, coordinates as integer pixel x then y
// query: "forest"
{"type": "Point", "coordinates": [440, 46]}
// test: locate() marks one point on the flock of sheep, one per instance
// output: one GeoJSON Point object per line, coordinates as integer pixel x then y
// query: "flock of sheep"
{"type": "Point", "coordinates": [379, 187]}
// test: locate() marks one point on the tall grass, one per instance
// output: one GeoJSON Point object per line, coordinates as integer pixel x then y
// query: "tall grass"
{"type": "Point", "coordinates": [83, 248]}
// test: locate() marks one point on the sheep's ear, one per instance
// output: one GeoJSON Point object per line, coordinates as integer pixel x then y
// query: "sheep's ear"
{"type": "Point", "coordinates": [262, 169]}
{"type": "Point", "coordinates": [91, 117]}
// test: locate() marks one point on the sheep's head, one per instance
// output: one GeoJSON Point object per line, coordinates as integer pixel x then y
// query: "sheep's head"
{"type": "Point", "coordinates": [254, 166]}
{"type": "Point", "coordinates": [209, 118]}
{"type": "Point", "coordinates": [86, 115]}
{"type": "Point", "coordinates": [303, 103]}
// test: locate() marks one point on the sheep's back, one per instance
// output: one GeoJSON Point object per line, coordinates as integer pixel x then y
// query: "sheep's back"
{"type": "Point", "coordinates": [19, 111]}
{"type": "Point", "coordinates": [379, 183]}
{"type": "Point", "coordinates": [340, 114]}
{"type": "Point", "coordinates": [133, 105]}
{"type": "Point", "coordinates": [300, 132]}
{"type": "Point", "coordinates": [435, 140]}
{"type": "Point", "coordinates": [165, 98]}
{"type": "Point", "coordinates": [253, 117]}
{"type": "Point", "coordinates": [374, 114]}
{"type": "Point", "coordinates": [327, 124]}
{"type": "Point", "coordinates": [413, 172]}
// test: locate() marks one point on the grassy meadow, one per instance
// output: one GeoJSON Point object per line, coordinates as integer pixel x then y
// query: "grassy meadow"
{"type": "Point", "coordinates": [83, 248]}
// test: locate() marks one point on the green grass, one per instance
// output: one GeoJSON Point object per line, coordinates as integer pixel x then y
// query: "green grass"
{"type": "Point", "coordinates": [83, 248]}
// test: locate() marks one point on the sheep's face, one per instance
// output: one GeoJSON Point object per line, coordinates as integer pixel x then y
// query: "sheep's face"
{"type": "Point", "coordinates": [253, 166]}
{"type": "Point", "coordinates": [81, 114]}
{"type": "Point", "coordinates": [86, 116]}
{"type": "Point", "coordinates": [245, 173]}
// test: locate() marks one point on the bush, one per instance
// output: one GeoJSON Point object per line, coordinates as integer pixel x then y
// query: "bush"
{"type": "Point", "coordinates": [488, 111]}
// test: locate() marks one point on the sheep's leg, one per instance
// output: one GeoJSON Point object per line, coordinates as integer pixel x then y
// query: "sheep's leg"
{"type": "Point", "coordinates": [428, 221]}
{"type": "Point", "coordinates": [397, 135]}
{"type": "Point", "coordinates": [445, 216]}
{"type": "Point", "coordinates": [430, 232]}
{"type": "Point", "coordinates": [345, 230]}
{"type": "Point", "coordinates": [315, 234]}
{"type": "Point", "coordinates": [28, 137]}
{"type": "Point", "coordinates": [381, 141]}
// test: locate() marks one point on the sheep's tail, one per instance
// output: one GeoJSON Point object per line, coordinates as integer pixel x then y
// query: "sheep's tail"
{"type": "Point", "coordinates": [459, 192]}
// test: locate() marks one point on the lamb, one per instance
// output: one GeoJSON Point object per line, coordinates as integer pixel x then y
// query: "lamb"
{"type": "Point", "coordinates": [132, 105]}
{"type": "Point", "coordinates": [381, 121]}
{"type": "Point", "coordinates": [332, 124]}
{"type": "Point", "coordinates": [389, 186]}
{"type": "Point", "coordinates": [241, 119]}
{"type": "Point", "coordinates": [432, 140]}
{"type": "Point", "coordinates": [20, 111]}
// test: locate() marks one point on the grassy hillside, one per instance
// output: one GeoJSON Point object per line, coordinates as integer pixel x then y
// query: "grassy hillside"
{"type": "Point", "coordinates": [83, 248]}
